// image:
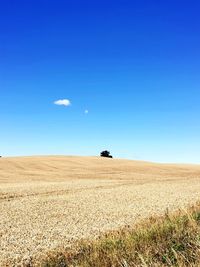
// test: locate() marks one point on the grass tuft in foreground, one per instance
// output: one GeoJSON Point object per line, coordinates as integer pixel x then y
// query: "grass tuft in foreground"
{"type": "Point", "coordinates": [171, 240]}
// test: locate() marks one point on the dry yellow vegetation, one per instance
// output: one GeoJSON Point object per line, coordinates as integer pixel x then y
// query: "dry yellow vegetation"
{"type": "Point", "coordinates": [47, 203]}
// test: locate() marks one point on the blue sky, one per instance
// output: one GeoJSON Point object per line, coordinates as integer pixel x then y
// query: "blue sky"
{"type": "Point", "coordinates": [134, 65]}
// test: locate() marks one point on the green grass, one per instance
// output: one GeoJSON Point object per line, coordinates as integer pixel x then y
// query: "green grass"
{"type": "Point", "coordinates": [170, 240]}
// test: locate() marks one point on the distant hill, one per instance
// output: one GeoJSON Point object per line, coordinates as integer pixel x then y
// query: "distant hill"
{"type": "Point", "coordinates": [59, 168]}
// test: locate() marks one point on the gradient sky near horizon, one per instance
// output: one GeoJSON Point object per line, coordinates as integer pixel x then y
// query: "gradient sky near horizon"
{"type": "Point", "coordinates": [130, 69]}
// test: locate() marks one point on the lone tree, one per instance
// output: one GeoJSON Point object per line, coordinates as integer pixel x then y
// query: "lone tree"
{"type": "Point", "coordinates": [105, 154]}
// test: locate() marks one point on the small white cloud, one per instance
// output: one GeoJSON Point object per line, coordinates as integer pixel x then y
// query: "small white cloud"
{"type": "Point", "coordinates": [86, 111]}
{"type": "Point", "coordinates": [63, 102]}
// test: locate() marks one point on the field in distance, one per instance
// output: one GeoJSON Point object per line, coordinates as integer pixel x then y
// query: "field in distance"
{"type": "Point", "coordinates": [47, 203]}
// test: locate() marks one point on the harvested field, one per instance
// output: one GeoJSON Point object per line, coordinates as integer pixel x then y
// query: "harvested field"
{"type": "Point", "coordinates": [47, 203]}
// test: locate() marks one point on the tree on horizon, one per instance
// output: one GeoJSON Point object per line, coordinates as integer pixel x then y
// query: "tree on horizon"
{"type": "Point", "coordinates": [106, 154]}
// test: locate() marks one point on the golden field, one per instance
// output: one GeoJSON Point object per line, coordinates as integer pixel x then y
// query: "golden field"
{"type": "Point", "coordinates": [47, 203]}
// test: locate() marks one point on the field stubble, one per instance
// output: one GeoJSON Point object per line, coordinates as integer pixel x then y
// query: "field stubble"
{"type": "Point", "coordinates": [47, 203]}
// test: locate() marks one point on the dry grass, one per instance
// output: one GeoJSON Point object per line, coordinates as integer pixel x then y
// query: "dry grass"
{"type": "Point", "coordinates": [48, 203]}
{"type": "Point", "coordinates": [170, 240]}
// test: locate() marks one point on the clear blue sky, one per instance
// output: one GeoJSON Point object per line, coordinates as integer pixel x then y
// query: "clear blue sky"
{"type": "Point", "coordinates": [134, 65]}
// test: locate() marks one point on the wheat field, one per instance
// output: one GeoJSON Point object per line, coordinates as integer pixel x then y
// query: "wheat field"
{"type": "Point", "coordinates": [47, 203]}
